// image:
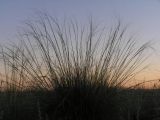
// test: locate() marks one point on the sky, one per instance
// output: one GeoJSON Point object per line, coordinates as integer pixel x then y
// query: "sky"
{"type": "Point", "coordinates": [143, 17]}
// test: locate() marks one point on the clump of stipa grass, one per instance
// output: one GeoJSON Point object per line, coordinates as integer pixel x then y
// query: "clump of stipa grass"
{"type": "Point", "coordinates": [50, 52]}
{"type": "Point", "coordinates": [83, 66]}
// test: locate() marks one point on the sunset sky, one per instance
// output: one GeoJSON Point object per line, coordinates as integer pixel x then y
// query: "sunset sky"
{"type": "Point", "coordinates": [142, 16]}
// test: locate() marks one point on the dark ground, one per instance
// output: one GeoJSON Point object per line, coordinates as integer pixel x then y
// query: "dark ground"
{"type": "Point", "coordinates": [126, 104]}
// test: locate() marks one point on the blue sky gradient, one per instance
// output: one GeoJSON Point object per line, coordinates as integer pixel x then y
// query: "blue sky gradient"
{"type": "Point", "coordinates": [143, 17]}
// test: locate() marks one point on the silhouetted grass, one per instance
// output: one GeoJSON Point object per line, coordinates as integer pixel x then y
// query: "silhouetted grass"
{"type": "Point", "coordinates": [67, 71]}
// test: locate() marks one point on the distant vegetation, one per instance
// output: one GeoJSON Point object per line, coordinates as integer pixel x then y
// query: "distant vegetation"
{"type": "Point", "coordinates": [68, 71]}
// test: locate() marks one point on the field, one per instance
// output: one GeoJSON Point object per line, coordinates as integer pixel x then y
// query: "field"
{"type": "Point", "coordinates": [127, 104]}
{"type": "Point", "coordinates": [69, 71]}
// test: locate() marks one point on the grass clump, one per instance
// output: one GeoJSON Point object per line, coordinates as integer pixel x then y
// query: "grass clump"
{"type": "Point", "coordinates": [80, 69]}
